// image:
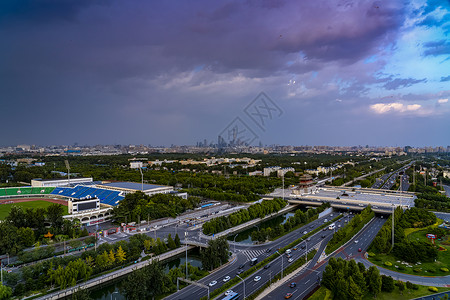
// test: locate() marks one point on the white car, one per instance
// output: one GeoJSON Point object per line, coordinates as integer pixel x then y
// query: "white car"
{"type": "Point", "coordinates": [257, 278]}
{"type": "Point", "coordinates": [226, 278]}
{"type": "Point", "coordinates": [305, 232]}
{"type": "Point", "coordinates": [356, 242]}
{"type": "Point", "coordinates": [228, 292]}
{"type": "Point", "coordinates": [290, 260]}
{"type": "Point", "coordinates": [213, 283]}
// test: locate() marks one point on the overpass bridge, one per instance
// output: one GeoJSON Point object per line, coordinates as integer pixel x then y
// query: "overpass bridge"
{"type": "Point", "coordinates": [382, 201]}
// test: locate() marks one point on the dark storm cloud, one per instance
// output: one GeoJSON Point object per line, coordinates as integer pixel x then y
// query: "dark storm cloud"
{"type": "Point", "coordinates": [394, 84]}
{"type": "Point", "coordinates": [121, 65]}
{"type": "Point", "coordinates": [441, 47]}
{"type": "Point", "coordinates": [43, 10]}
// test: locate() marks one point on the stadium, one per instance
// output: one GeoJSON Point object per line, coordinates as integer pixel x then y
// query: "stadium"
{"type": "Point", "coordinates": [89, 201]}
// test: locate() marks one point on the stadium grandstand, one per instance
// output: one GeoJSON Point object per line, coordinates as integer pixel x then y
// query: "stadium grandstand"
{"type": "Point", "coordinates": [83, 192]}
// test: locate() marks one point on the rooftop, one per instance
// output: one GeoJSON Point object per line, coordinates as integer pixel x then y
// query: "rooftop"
{"type": "Point", "coordinates": [134, 186]}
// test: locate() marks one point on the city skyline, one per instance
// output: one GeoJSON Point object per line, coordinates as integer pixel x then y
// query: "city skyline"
{"type": "Point", "coordinates": [161, 73]}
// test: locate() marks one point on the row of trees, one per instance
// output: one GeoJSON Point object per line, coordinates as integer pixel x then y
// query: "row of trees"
{"type": "Point", "coordinates": [348, 280]}
{"type": "Point", "coordinates": [298, 219]}
{"type": "Point", "coordinates": [151, 281]}
{"type": "Point", "coordinates": [22, 228]}
{"type": "Point", "coordinates": [410, 251]}
{"type": "Point", "coordinates": [66, 271]}
{"type": "Point", "coordinates": [258, 210]}
{"type": "Point", "coordinates": [138, 206]}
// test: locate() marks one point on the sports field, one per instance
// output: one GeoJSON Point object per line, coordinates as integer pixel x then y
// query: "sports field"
{"type": "Point", "coordinates": [29, 203]}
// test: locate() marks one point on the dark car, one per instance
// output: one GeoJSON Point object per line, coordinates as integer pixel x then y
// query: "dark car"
{"type": "Point", "coordinates": [324, 236]}
{"type": "Point", "coordinates": [293, 284]}
{"type": "Point", "coordinates": [242, 266]}
{"type": "Point", "coordinates": [267, 266]}
{"type": "Point", "coordinates": [303, 246]}
{"type": "Point", "coordinates": [239, 271]}
{"type": "Point", "coordinates": [268, 250]}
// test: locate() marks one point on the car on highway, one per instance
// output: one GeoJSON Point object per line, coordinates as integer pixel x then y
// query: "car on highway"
{"type": "Point", "coordinates": [267, 266]}
{"type": "Point", "coordinates": [288, 295]}
{"type": "Point", "coordinates": [356, 242]}
{"type": "Point", "coordinates": [293, 285]}
{"type": "Point", "coordinates": [213, 283]}
{"type": "Point", "coordinates": [359, 250]}
{"type": "Point", "coordinates": [324, 229]}
{"type": "Point", "coordinates": [228, 292]}
{"type": "Point", "coordinates": [308, 239]}
{"type": "Point", "coordinates": [324, 236]}
{"type": "Point", "coordinates": [305, 232]}
{"type": "Point", "coordinates": [239, 271]}
{"type": "Point", "coordinates": [288, 251]}
{"type": "Point", "coordinates": [288, 255]}
{"type": "Point", "coordinates": [312, 226]}
{"type": "Point", "coordinates": [290, 260]}
{"type": "Point", "coordinates": [268, 250]}
{"type": "Point", "coordinates": [242, 266]}
{"type": "Point", "coordinates": [226, 278]}
{"type": "Point", "coordinates": [303, 246]}
{"type": "Point", "coordinates": [295, 248]}
{"type": "Point", "coordinates": [257, 278]}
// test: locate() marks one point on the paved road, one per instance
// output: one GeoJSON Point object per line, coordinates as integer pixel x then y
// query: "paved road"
{"type": "Point", "coordinates": [307, 280]}
{"type": "Point", "coordinates": [246, 252]}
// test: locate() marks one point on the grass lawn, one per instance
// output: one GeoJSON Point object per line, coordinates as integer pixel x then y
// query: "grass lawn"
{"type": "Point", "coordinates": [324, 293]}
{"type": "Point", "coordinates": [6, 208]}
{"type": "Point", "coordinates": [423, 269]}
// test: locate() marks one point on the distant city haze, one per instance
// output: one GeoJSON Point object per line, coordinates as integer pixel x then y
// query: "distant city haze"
{"type": "Point", "coordinates": [169, 72]}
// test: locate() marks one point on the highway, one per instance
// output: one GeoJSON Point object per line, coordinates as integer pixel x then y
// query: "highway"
{"type": "Point", "coordinates": [246, 252]}
{"type": "Point", "coordinates": [307, 280]}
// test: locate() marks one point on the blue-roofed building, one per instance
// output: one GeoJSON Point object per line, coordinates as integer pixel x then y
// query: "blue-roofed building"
{"type": "Point", "coordinates": [131, 187]}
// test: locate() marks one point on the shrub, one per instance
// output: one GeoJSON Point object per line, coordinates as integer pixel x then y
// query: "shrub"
{"type": "Point", "coordinates": [388, 263]}
{"type": "Point", "coordinates": [371, 254]}
{"type": "Point", "coordinates": [433, 289]}
{"type": "Point", "coordinates": [411, 286]}
{"type": "Point", "coordinates": [417, 270]}
{"type": "Point", "coordinates": [444, 269]}
{"type": "Point", "coordinates": [431, 270]}
{"type": "Point", "coordinates": [401, 268]}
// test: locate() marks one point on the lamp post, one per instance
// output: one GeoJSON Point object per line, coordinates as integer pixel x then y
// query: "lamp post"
{"type": "Point", "coordinates": [113, 294]}
{"type": "Point", "coordinates": [282, 259]}
{"type": "Point", "coordinates": [142, 180]}
{"type": "Point", "coordinates": [185, 241]}
{"type": "Point", "coordinates": [393, 212]}
{"type": "Point", "coordinates": [234, 242]}
{"type": "Point", "coordinates": [243, 282]}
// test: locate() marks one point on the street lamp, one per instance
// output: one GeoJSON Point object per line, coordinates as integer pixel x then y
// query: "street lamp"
{"type": "Point", "coordinates": [243, 282]}
{"type": "Point", "coordinates": [282, 259]}
{"type": "Point", "coordinates": [185, 241]}
{"type": "Point", "coordinates": [113, 294]}
{"type": "Point", "coordinates": [234, 242]}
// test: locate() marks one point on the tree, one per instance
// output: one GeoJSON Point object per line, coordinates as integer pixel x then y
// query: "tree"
{"type": "Point", "coordinates": [354, 291]}
{"type": "Point", "coordinates": [373, 280]}
{"type": "Point", "coordinates": [177, 240]}
{"type": "Point", "coordinates": [387, 284]}
{"type": "Point", "coordinates": [26, 236]}
{"type": "Point", "coordinates": [112, 257]}
{"type": "Point", "coordinates": [120, 255]}
{"type": "Point", "coordinates": [81, 294]}
{"type": "Point", "coordinates": [55, 214]}
{"type": "Point", "coordinates": [5, 292]}
{"type": "Point", "coordinates": [9, 240]}
{"type": "Point", "coordinates": [401, 286]}
{"type": "Point", "coordinates": [216, 254]}
{"type": "Point", "coordinates": [170, 242]}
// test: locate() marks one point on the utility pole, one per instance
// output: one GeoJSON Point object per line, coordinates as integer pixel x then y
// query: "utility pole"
{"type": "Point", "coordinates": [142, 180]}
{"type": "Point", "coordinates": [283, 182]}
{"type": "Point", "coordinates": [393, 213]}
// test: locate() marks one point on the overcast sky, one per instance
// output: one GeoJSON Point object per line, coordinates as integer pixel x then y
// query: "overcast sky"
{"type": "Point", "coordinates": [177, 72]}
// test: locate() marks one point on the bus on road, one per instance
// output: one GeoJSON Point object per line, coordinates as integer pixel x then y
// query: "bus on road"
{"type": "Point", "coordinates": [231, 296]}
